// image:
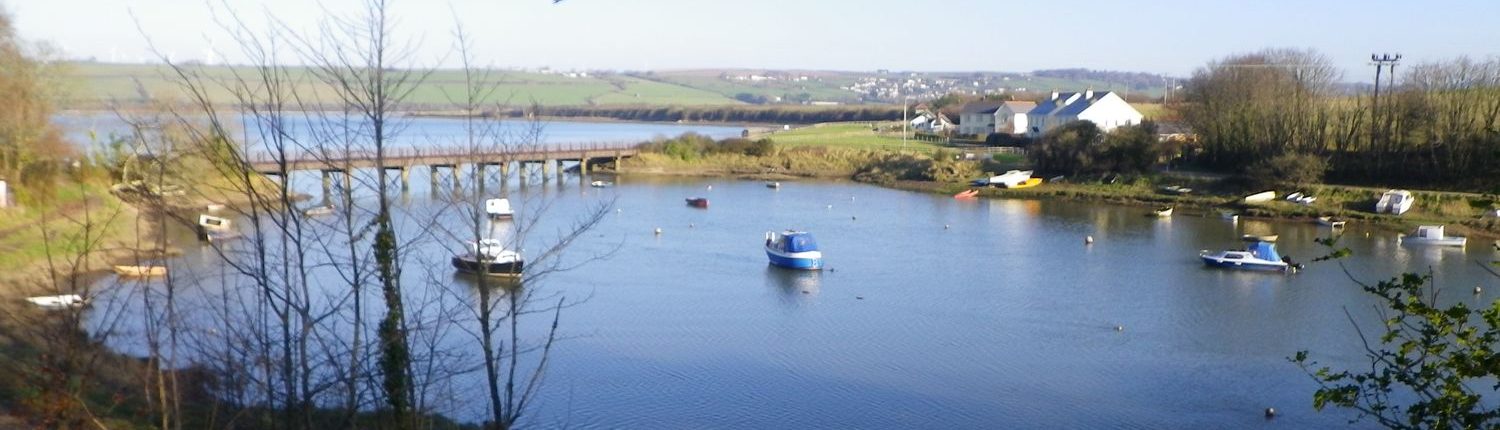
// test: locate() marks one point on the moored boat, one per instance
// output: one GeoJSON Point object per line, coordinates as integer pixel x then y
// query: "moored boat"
{"type": "Point", "coordinates": [698, 202]}
{"type": "Point", "coordinates": [773, 185]}
{"type": "Point", "coordinates": [1162, 212]}
{"type": "Point", "coordinates": [1176, 189]}
{"type": "Point", "coordinates": [966, 194]}
{"type": "Point", "coordinates": [141, 271]}
{"type": "Point", "coordinates": [489, 257]}
{"type": "Point", "coordinates": [1433, 235]}
{"type": "Point", "coordinates": [1395, 202]}
{"type": "Point", "coordinates": [1330, 222]}
{"type": "Point", "coordinates": [1028, 183]}
{"type": "Point", "coordinates": [601, 184]}
{"type": "Point", "coordinates": [1228, 215]}
{"type": "Point", "coordinates": [1261, 197]}
{"type": "Point", "coordinates": [320, 210]}
{"type": "Point", "coordinates": [793, 250]}
{"type": "Point", "coordinates": [1260, 254]}
{"type": "Point", "coordinates": [499, 209]}
{"type": "Point", "coordinates": [62, 301]}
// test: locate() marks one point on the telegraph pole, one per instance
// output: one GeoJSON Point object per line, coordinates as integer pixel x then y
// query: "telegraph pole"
{"type": "Point", "coordinates": [1380, 61]}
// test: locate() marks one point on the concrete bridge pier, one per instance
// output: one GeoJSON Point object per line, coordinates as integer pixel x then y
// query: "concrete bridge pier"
{"type": "Point", "coordinates": [546, 169]}
{"type": "Point", "coordinates": [504, 174]}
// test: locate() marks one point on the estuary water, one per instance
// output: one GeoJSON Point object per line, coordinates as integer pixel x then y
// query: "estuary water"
{"type": "Point", "coordinates": [932, 312]}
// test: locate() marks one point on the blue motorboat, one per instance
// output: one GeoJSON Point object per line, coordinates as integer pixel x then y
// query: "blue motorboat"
{"type": "Point", "coordinates": [793, 250]}
{"type": "Point", "coordinates": [1259, 254]}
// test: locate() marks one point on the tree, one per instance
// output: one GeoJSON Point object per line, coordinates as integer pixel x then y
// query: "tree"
{"type": "Point", "coordinates": [1430, 367]}
{"type": "Point", "coordinates": [27, 136]}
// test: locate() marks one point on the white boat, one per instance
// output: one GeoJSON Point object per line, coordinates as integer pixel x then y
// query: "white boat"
{"type": "Point", "coordinates": [319, 210]}
{"type": "Point", "coordinates": [58, 302]}
{"type": "Point", "coordinates": [793, 250]}
{"type": "Point", "coordinates": [1176, 189]}
{"type": "Point", "coordinates": [213, 223]}
{"type": "Point", "coordinates": [1162, 213]}
{"type": "Point", "coordinates": [489, 257]}
{"type": "Point", "coordinates": [1010, 178]}
{"type": "Point", "coordinates": [1433, 235]}
{"type": "Point", "coordinates": [141, 271]}
{"type": "Point", "coordinates": [1306, 200]}
{"type": "Point", "coordinates": [773, 185]}
{"type": "Point", "coordinates": [1293, 197]}
{"type": "Point", "coordinates": [1329, 221]}
{"type": "Point", "coordinates": [601, 184]}
{"type": "Point", "coordinates": [1227, 215]}
{"type": "Point", "coordinates": [1261, 197]}
{"type": "Point", "coordinates": [1395, 202]}
{"type": "Point", "coordinates": [1260, 254]}
{"type": "Point", "coordinates": [499, 209]}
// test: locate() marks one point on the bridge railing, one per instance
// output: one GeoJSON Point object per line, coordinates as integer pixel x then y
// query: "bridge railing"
{"type": "Point", "coordinates": [400, 154]}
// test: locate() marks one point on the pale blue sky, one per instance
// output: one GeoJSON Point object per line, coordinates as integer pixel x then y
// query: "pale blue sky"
{"type": "Point", "coordinates": [1173, 36]}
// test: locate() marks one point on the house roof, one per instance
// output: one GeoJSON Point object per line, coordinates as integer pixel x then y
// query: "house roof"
{"type": "Point", "coordinates": [981, 107]}
{"type": "Point", "coordinates": [1051, 107]}
{"type": "Point", "coordinates": [1021, 107]}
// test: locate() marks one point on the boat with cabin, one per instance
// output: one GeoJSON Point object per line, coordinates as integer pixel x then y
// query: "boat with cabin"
{"type": "Point", "coordinates": [140, 271]}
{"type": "Point", "coordinates": [1433, 235]}
{"type": "Point", "coordinates": [1331, 222]}
{"type": "Point", "coordinates": [698, 202]}
{"type": "Point", "coordinates": [488, 257]}
{"type": "Point", "coordinates": [1259, 254]}
{"type": "Point", "coordinates": [1395, 202]}
{"type": "Point", "coordinates": [793, 250]}
{"type": "Point", "coordinates": [499, 209]}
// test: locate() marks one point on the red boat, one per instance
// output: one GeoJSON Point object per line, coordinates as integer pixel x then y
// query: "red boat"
{"type": "Point", "coordinates": [698, 202]}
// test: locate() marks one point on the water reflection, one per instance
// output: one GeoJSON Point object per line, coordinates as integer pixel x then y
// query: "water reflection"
{"type": "Point", "coordinates": [793, 285]}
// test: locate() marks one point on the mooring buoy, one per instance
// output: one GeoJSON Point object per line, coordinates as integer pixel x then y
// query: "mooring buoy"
{"type": "Point", "coordinates": [1119, 328]}
{"type": "Point", "coordinates": [1270, 412]}
{"type": "Point", "coordinates": [658, 231]}
{"type": "Point", "coordinates": [1088, 240]}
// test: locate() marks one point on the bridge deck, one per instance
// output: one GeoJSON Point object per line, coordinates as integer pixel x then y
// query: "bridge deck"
{"type": "Point", "coordinates": [400, 158]}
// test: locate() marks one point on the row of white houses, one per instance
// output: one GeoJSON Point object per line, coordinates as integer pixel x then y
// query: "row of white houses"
{"type": "Point", "coordinates": [1105, 109]}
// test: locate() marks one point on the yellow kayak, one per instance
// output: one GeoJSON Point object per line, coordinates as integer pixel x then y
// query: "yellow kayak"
{"type": "Point", "coordinates": [1032, 182]}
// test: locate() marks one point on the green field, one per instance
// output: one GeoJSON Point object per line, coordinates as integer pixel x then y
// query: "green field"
{"type": "Point", "coordinates": [93, 84]}
{"type": "Point", "coordinates": [848, 135]}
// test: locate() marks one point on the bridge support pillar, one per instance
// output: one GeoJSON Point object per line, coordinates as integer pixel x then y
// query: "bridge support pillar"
{"type": "Point", "coordinates": [504, 174]}
{"type": "Point", "coordinates": [327, 185]}
{"type": "Point", "coordinates": [405, 178]}
{"type": "Point", "coordinates": [457, 184]}
{"type": "Point", "coordinates": [432, 173]}
{"type": "Point", "coordinates": [583, 166]}
{"type": "Point", "coordinates": [522, 173]}
{"type": "Point", "coordinates": [546, 170]}
{"type": "Point", "coordinates": [348, 183]}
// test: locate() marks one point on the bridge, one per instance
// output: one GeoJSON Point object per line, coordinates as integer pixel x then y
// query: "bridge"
{"type": "Point", "coordinates": [403, 159]}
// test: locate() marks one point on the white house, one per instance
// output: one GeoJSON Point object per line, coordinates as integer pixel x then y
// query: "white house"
{"type": "Point", "coordinates": [931, 123]}
{"type": "Point", "coordinates": [1105, 109]}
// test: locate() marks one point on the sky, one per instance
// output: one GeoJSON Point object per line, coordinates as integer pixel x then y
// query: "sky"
{"type": "Point", "coordinates": [1171, 37]}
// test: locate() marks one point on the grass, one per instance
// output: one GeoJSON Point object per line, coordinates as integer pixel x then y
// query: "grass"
{"type": "Point", "coordinates": [858, 135]}
{"type": "Point", "coordinates": [25, 243]}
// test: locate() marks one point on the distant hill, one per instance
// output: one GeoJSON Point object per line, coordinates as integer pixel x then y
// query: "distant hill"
{"type": "Point", "coordinates": [91, 84]}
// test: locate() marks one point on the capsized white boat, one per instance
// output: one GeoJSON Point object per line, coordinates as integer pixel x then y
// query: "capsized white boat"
{"type": "Point", "coordinates": [1433, 235]}
{"type": "Point", "coordinates": [58, 302]}
{"type": "Point", "coordinates": [1394, 202]}
{"type": "Point", "coordinates": [1261, 197]}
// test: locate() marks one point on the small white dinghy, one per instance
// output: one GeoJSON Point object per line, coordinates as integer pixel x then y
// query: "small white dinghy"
{"type": "Point", "coordinates": [1331, 222]}
{"type": "Point", "coordinates": [317, 211]}
{"type": "Point", "coordinates": [1229, 216]}
{"type": "Point", "coordinates": [1261, 197]}
{"type": "Point", "coordinates": [601, 184]}
{"type": "Point", "coordinates": [1162, 212]}
{"type": "Point", "coordinates": [1395, 202]}
{"type": "Point", "coordinates": [499, 209]}
{"type": "Point", "coordinates": [1433, 235]}
{"type": "Point", "coordinates": [58, 302]}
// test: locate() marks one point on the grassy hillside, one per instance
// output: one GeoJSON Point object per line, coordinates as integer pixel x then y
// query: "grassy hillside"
{"type": "Point", "coordinates": [91, 84]}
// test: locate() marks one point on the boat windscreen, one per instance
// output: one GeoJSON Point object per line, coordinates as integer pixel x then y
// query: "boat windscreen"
{"type": "Point", "coordinates": [1264, 251]}
{"type": "Point", "coordinates": [801, 243]}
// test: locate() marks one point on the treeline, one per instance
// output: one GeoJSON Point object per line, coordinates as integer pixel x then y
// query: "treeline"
{"type": "Point", "coordinates": [690, 146]}
{"type": "Point", "coordinates": [1437, 126]}
{"type": "Point", "coordinates": [1132, 80]}
{"type": "Point", "coordinates": [1081, 148]}
{"type": "Point", "coordinates": [752, 114]}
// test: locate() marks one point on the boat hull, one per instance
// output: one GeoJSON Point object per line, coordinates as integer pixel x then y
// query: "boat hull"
{"type": "Point", "coordinates": [800, 261]}
{"type": "Point", "coordinates": [488, 268]}
{"type": "Point", "coordinates": [1450, 241]}
{"type": "Point", "coordinates": [1242, 264]}
{"type": "Point", "coordinates": [698, 203]}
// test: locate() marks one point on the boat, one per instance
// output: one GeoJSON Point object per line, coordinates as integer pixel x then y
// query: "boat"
{"type": "Point", "coordinates": [1299, 198]}
{"type": "Point", "coordinates": [601, 184]}
{"type": "Point", "coordinates": [213, 223]}
{"type": "Point", "coordinates": [1395, 202]}
{"type": "Point", "coordinates": [966, 194]}
{"type": "Point", "coordinates": [1329, 221]}
{"type": "Point", "coordinates": [63, 301]}
{"type": "Point", "coordinates": [1260, 254]}
{"type": "Point", "coordinates": [488, 257]}
{"type": "Point", "coordinates": [1261, 197]}
{"type": "Point", "coordinates": [1433, 235]}
{"type": "Point", "coordinates": [499, 209]}
{"type": "Point", "coordinates": [1028, 183]}
{"type": "Point", "coordinates": [1162, 212]}
{"type": "Point", "coordinates": [698, 202]}
{"type": "Point", "coordinates": [773, 185]}
{"type": "Point", "coordinates": [141, 271]}
{"type": "Point", "coordinates": [319, 210]}
{"type": "Point", "coordinates": [1176, 189]}
{"type": "Point", "coordinates": [220, 236]}
{"type": "Point", "coordinates": [793, 250]}
{"type": "Point", "coordinates": [1227, 215]}
{"type": "Point", "coordinates": [1010, 179]}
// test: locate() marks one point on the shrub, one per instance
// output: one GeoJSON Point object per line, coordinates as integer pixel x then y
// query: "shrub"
{"type": "Point", "coordinates": [1287, 170]}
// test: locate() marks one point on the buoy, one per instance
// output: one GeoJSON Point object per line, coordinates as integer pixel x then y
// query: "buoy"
{"type": "Point", "coordinates": [851, 198]}
{"type": "Point", "coordinates": [1088, 240]}
{"type": "Point", "coordinates": [1119, 328]}
{"type": "Point", "coordinates": [710, 187]}
{"type": "Point", "coordinates": [1478, 290]}
{"type": "Point", "coordinates": [853, 218]}
{"type": "Point", "coordinates": [859, 297]}
{"type": "Point", "coordinates": [1270, 412]}
{"type": "Point", "coordinates": [618, 210]}
{"type": "Point", "coordinates": [690, 225]}
{"type": "Point", "coordinates": [804, 291]}
{"type": "Point", "coordinates": [830, 206]}
{"type": "Point", "coordinates": [945, 226]}
{"type": "Point", "coordinates": [658, 231]}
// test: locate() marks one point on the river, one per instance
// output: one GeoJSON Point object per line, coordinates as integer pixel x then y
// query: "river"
{"type": "Point", "coordinates": [932, 312]}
